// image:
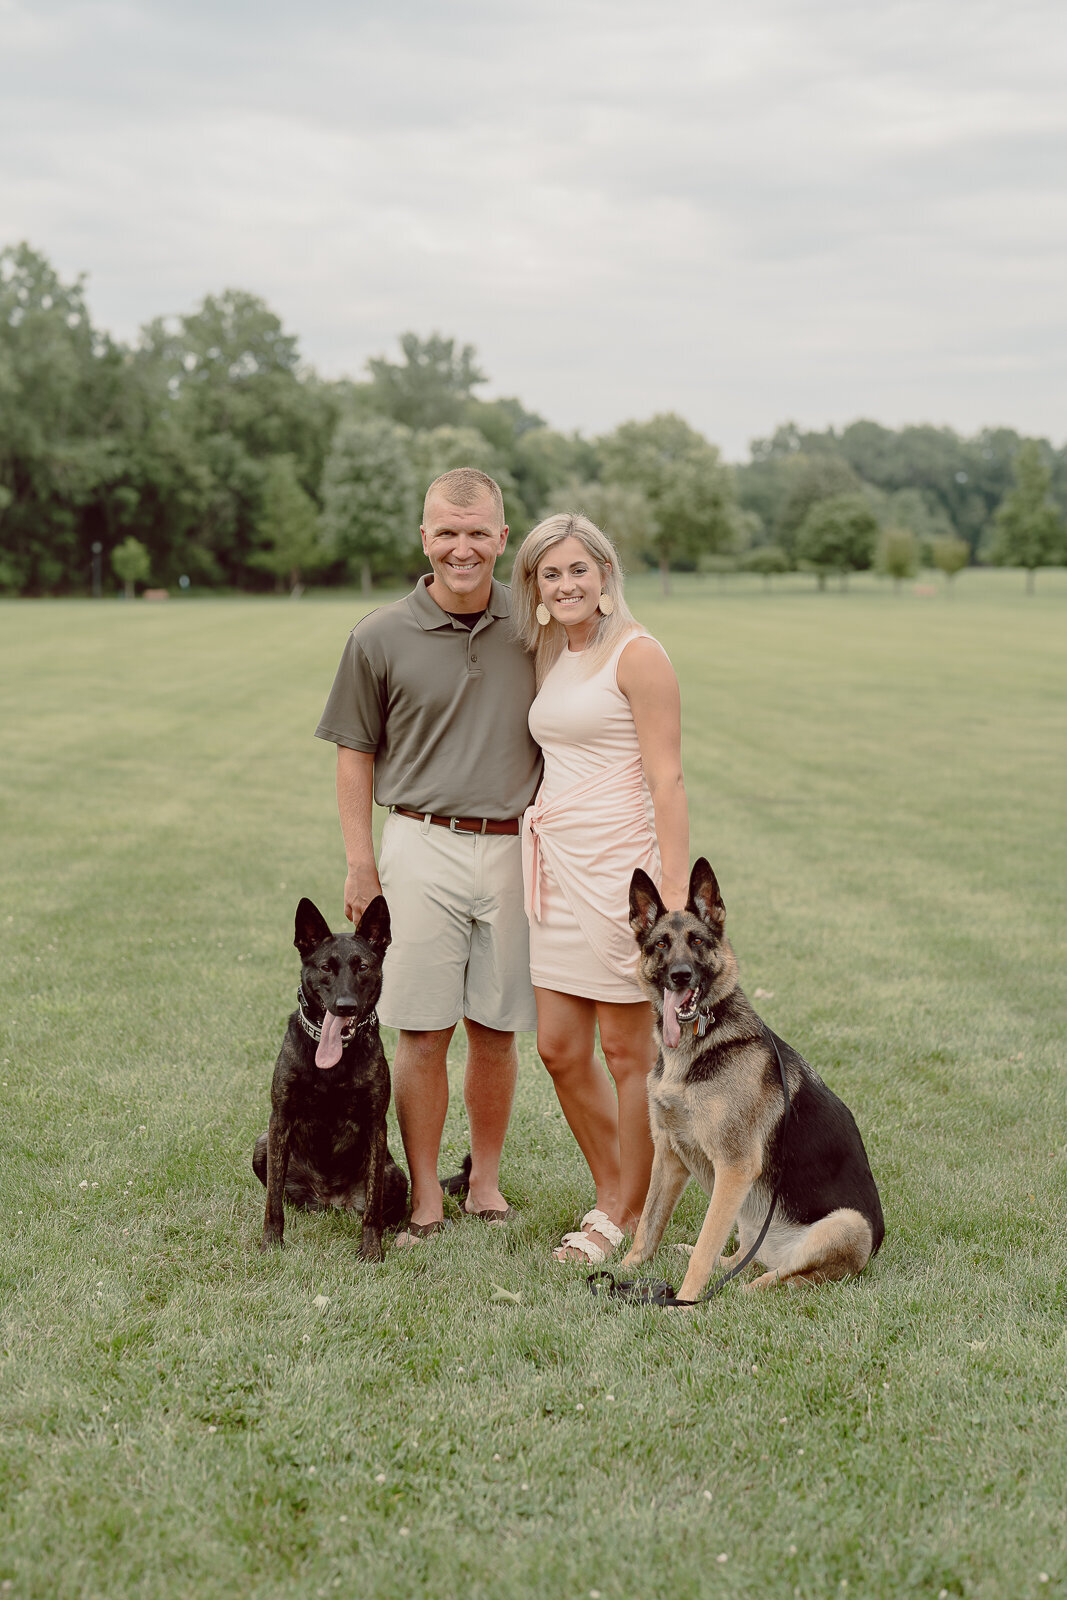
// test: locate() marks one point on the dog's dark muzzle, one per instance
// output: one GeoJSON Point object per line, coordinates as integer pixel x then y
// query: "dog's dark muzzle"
{"type": "Point", "coordinates": [348, 1006]}
{"type": "Point", "coordinates": [682, 982]}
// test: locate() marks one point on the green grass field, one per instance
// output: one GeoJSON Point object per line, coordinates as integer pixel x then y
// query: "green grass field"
{"type": "Point", "coordinates": [878, 779]}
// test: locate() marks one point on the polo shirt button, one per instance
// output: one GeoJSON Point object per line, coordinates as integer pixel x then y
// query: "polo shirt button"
{"type": "Point", "coordinates": [474, 658]}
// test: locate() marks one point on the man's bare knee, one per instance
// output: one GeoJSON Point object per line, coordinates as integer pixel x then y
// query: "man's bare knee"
{"type": "Point", "coordinates": [489, 1044]}
{"type": "Point", "coordinates": [423, 1050]}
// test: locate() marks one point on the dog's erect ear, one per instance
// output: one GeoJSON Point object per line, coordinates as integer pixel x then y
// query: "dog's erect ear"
{"type": "Point", "coordinates": [374, 925]}
{"type": "Point", "coordinates": [312, 929]}
{"type": "Point", "coordinates": [646, 907]}
{"type": "Point", "coordinates": [705, 901]}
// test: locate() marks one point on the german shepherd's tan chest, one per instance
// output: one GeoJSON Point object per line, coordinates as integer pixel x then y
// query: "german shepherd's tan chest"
{"type": "Point", "coordinates": [707, 1120]}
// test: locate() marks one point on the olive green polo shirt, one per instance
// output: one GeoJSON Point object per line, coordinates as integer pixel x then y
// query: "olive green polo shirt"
{"type": "Point", "coordinates": [443, 708]}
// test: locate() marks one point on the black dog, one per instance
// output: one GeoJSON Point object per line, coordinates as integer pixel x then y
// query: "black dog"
{"type": "Point", "coordinates": [326, 1145]}
{"type": "Point", "coordinates": [717, 1111]}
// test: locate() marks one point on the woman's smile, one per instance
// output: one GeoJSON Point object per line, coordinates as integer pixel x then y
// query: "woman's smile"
{"type": "Point", "coordinates": [569, 584]}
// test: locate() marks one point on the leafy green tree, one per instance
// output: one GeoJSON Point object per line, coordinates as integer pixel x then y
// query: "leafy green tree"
{"type": "Point", "coordinates": [437, 450]}
{"type": "Point", "coordinates": [950, 555]}
{"type": "Point", "coordinates": [811, 479]}
{"type": "Point", "coordinates": [162, 488]}
{"type": "Point", "coordinates": [1028, 529]}
{"type": "Point", "coordinates": [724, 565]}
{"type": "Point", "coordinates": [233, 368]}
{"type": "Point", "coordinates": [510, 429]}
{"type": "Point", "coordinates": [916, 510]}
{"type": "Point", "coordinates": [688, 489]}
{"type": "Point", "coordinates": [432, 384]}
{"type": "Point", "coordinates": [965, 478]}
{"type": "Point", "coordinates": [786, 474]}
{"type": "Point", "coordinates": [837, 535]}
{"type": "Point", "coordinates": [623, 513]}
{"type": "Point", "coordinates": [288, 525]}
{"type": "Point", "coordinates": [131, 564]}
{"type": "Point", "coordinates": [60, 382]}
{"type": "Point", "coordinates": [1059, 477]}
{"type": "Point", "coordinates": [749, 532]}
{"type": "Point", "coordinates": [898, 554]}
{"type": "Point", "coordinates": [932, 480]}
{"type": "Point", "coordinates": [762, 484]}
{"type": "Point", "coordinates": [545, 463]}
{"type": "Point", "coordinates": [370, 514]}
{"type": "Point", "coordinates": [766, 559]}
{"type": "Point", "coordinates": [8, 583]}
{"type": "Point", "coordinates": [238, 396]}
{"type": "Point", "coordinates": [502, 422]}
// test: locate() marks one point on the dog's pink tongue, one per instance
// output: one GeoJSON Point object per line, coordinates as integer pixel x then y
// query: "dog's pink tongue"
{"type": "Point", "coordinates": [329, 1052]}
{"type": "Point", "coordinates": [672, 1033]}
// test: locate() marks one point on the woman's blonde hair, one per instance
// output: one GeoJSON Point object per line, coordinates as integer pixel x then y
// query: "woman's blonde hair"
{"type": "Point", "coordinates": [548, 642]}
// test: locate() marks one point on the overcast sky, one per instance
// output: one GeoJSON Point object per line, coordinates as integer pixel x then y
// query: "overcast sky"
{"type": "Point", "coordinates": [746, 213]}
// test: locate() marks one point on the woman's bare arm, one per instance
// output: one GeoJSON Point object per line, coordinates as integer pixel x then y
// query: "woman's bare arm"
{"type": "Point", "coordinates": [647, 679]}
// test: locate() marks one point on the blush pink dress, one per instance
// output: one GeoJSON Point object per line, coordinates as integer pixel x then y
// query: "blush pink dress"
{"type": "Point", "coordinates": [590, 825]}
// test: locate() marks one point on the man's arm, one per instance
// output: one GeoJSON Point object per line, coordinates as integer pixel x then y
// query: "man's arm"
{"type": "Point", "coordinates": [355, 795]}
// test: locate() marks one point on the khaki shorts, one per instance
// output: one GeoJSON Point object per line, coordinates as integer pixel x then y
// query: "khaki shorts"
{"type": "Point", "coordinates": [461, 941]}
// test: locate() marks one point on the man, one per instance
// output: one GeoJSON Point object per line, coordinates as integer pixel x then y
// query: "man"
{"type": "Point", "coordinates": [428, 713]}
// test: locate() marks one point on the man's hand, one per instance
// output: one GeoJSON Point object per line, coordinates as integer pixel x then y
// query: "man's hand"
{"type": "Point", "coordinates": [361, 886]}
{"type": "Point", "coordinates": [355, 788]}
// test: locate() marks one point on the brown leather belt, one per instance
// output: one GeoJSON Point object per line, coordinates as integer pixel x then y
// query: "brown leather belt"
{"type": "Point", "coordinates": [464, 824]}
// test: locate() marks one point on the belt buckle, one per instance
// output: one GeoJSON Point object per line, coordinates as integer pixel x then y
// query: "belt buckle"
{"type": "Point", "coordinates": [452, 828]}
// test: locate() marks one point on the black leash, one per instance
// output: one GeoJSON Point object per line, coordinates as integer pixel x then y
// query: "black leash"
{"type": "Point", "coordinates": [660, 1292]}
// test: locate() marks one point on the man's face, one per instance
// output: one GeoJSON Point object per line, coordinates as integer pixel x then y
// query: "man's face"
{"type": "Point", "coordinates": [462, 544]}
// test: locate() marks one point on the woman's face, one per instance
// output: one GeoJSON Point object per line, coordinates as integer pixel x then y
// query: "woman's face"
{"type": "Point", "coordinates": [568, 580]}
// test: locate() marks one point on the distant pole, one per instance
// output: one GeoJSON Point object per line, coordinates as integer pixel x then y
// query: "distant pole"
{"type": "Point", "coordinates": [97, 549]}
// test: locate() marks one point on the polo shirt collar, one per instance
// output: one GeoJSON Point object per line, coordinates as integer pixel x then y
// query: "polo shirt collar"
{"type": "Point", "coordinates": [429, 615]}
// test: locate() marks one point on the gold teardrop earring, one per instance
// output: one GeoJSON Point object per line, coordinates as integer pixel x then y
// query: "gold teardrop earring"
{"type": "Point", "coordinates": [543, 615]}
{"type": "Point", "coordinates": [605, 604]}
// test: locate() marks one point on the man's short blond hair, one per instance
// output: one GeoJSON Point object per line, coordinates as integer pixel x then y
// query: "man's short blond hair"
{"type": "Point", "coordinates": [464, 486]}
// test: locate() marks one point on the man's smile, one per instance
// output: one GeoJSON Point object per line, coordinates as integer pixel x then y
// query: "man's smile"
{"type": "Point", "coordinates": [479, 532]}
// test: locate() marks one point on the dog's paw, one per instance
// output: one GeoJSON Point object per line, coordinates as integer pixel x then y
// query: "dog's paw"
{"type": "Point", "coordinates": [270, 1241]}
{"type": "Point", "coordinates": [371, 1249]}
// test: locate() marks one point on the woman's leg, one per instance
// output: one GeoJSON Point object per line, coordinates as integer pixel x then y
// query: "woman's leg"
{"type": "Point", "coordinates": [566, 1034]}
{"type": "Point", "coordinates": [629, 1047]}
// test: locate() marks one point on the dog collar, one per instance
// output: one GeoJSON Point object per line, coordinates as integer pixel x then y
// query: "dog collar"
{"type": "Point", "coordinates": [704, 1021]}
{"type": "Point", "coordinates": [314, 1029]}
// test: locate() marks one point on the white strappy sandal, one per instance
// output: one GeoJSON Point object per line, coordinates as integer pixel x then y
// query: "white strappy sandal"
{"type": "Point", "coordinates": [595, 1254]}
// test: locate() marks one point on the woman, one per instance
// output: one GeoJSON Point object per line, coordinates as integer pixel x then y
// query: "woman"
{"type": "Point", "coordinates": [607, 715]}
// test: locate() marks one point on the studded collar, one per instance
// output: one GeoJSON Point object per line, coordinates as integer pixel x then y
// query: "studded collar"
{"type": "Point", "coordinates": [314, 1029]}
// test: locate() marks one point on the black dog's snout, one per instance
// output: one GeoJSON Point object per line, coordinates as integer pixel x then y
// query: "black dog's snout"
{"type": "Point", "coordinates": [345, 1002]}
{"type": "Point", "coordinates": [681, 977]}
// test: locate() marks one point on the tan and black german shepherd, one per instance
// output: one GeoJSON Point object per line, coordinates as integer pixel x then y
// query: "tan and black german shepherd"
{"type": "Point", "coordinates": [717, 1110]}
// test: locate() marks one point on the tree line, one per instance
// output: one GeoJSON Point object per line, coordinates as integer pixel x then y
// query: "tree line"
{"type": "Point", "coordinates": [207, 453]}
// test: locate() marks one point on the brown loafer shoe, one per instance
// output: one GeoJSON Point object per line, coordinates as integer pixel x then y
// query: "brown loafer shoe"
{"type": "Point", "coordinates": [495, 1218]}
{"type": "Point", "coordinates": [415, 1232]}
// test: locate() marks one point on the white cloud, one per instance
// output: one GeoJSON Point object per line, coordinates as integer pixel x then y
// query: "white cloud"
{"type": "Point", "coordinates": [813, 211]}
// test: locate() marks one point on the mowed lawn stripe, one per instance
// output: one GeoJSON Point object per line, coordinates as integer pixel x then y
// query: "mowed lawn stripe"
{"type": "Point", "coordinates": [877, 779]}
